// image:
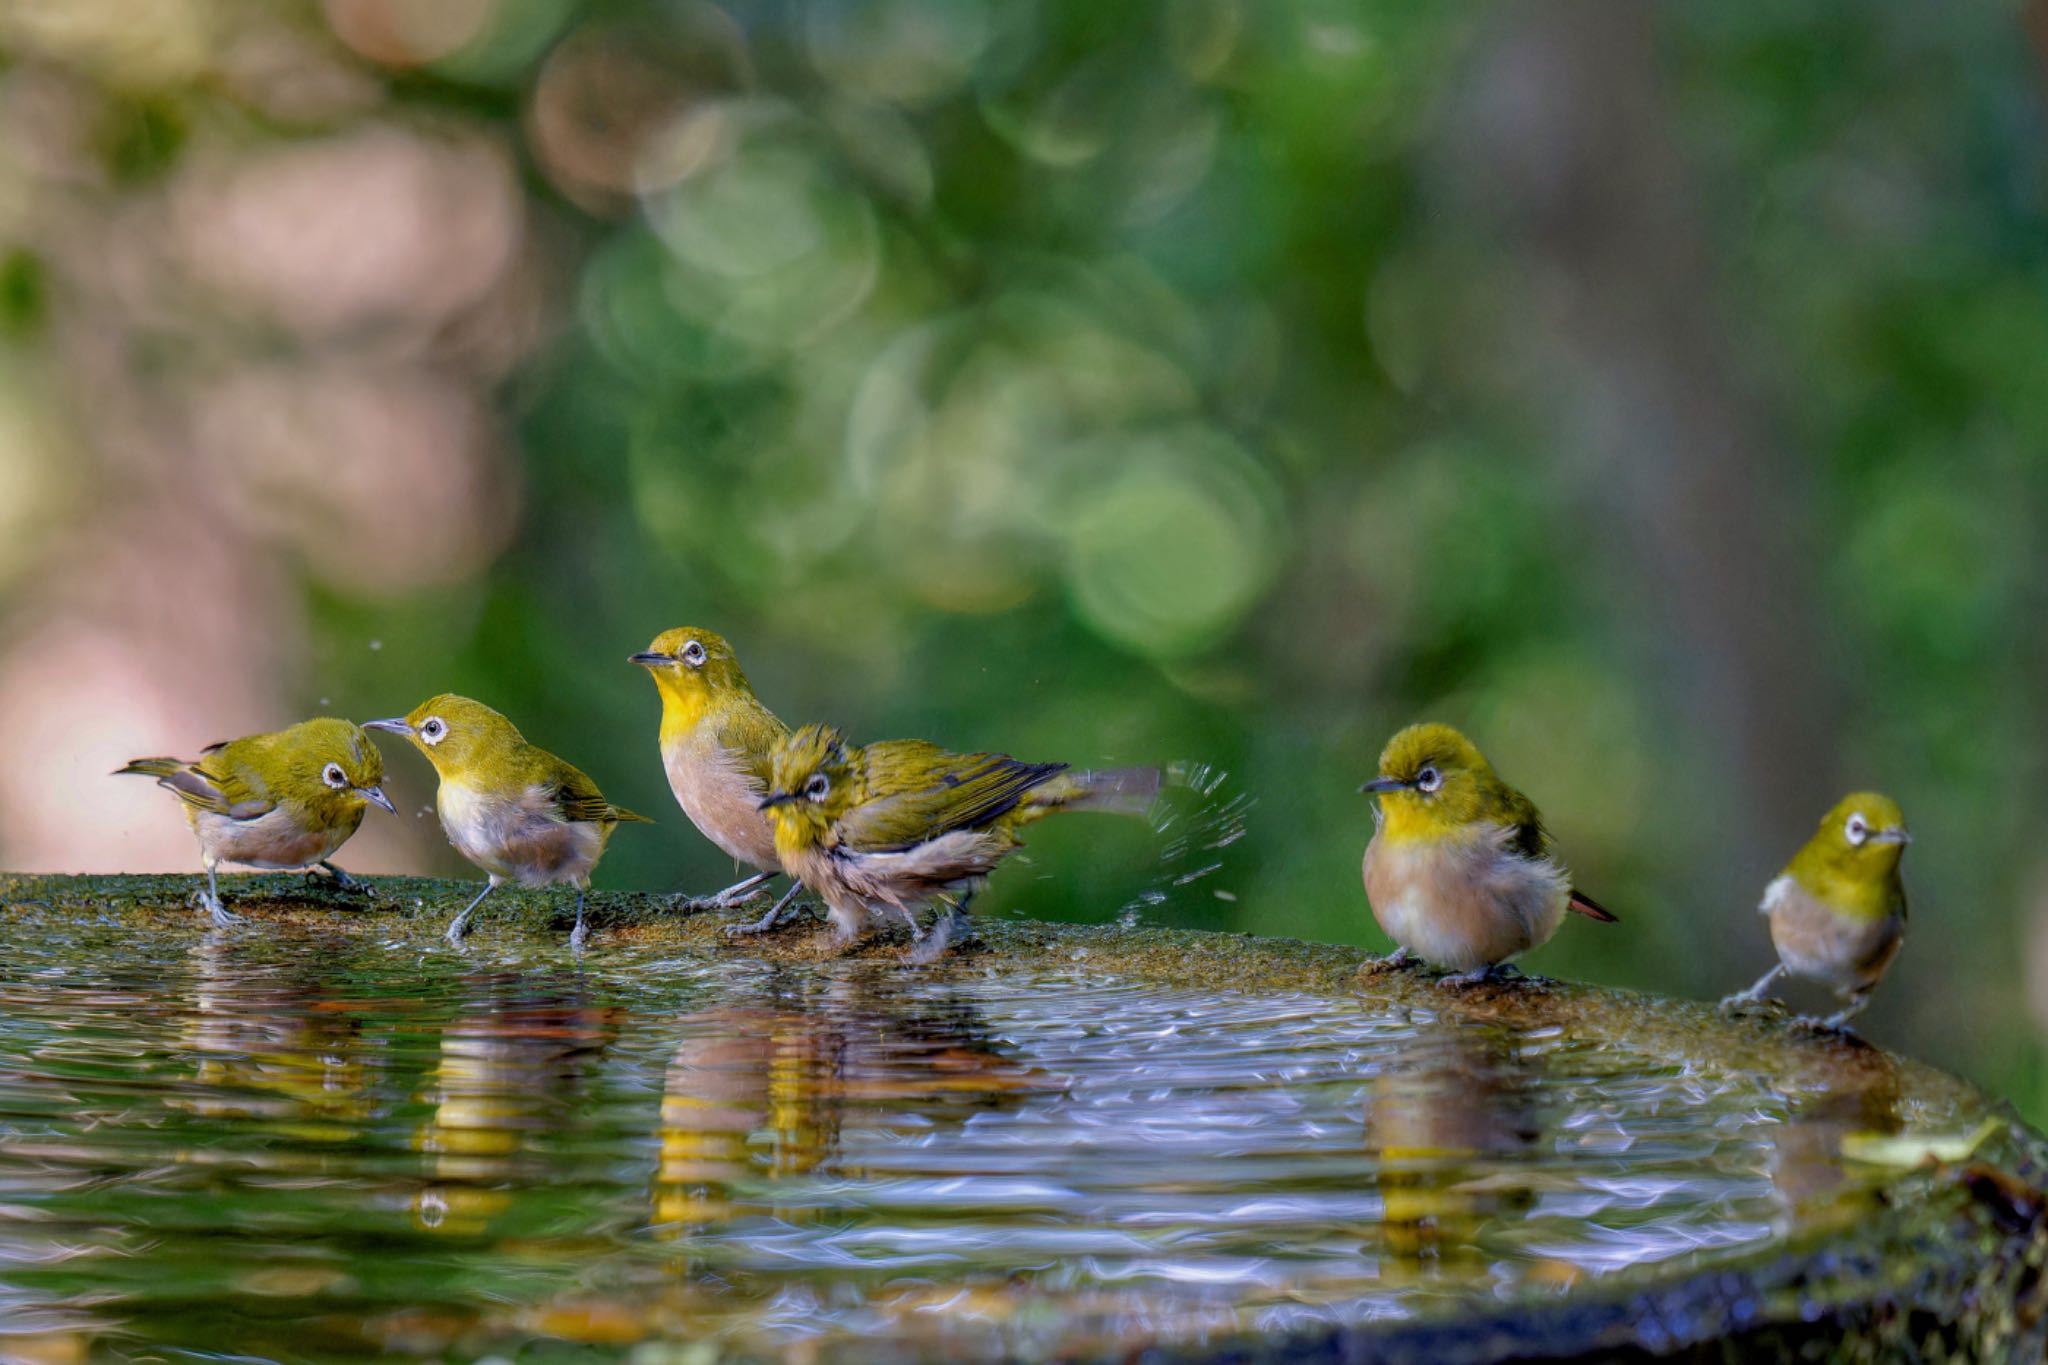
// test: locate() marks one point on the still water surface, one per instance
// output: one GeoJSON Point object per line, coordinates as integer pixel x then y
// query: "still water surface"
{"type": "Point", "coordinates": [277, 1144]}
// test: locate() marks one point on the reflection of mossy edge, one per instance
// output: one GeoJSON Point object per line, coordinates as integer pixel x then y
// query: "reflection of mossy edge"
{"type": "Point", "coordinates": [1941, 1265]}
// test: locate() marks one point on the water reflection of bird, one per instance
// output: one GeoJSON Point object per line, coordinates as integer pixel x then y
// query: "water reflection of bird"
{"type": "Point", "coordinates": [268, 1044]}
{"type": "Point", "coordinates": [770, 1089]}
{"type": "Point", "coordinates": [512, 1068]}
{"type": "Point", "coordinates": [1449, 1119]}
{"type": "Point", "coordinates": [1842, 1093]}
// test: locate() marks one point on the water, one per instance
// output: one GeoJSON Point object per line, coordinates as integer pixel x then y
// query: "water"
{"type": "Point", "coordinates": [280, 1144]}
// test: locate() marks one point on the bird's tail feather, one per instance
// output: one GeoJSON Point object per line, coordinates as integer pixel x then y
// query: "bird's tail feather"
{"type": "Point", "coordinates": [151, 767]}
{"type": "Point", "coordinates": [1591, 908]}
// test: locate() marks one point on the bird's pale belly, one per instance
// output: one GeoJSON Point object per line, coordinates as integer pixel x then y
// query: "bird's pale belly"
{"type": "Point", "coordinates": [518, 840]}
{"type": "Point", "coordinates": [276, 839]}
{"type": "Point", "coordinates": [1463, 904]}
{"type": "Point", "coordinates": [721, 802]}
{"type": "Point", "coordinates": [1842, 951]}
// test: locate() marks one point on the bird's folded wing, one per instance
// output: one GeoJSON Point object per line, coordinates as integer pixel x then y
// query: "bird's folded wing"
{"type": "Point", "coordinates": [922, 791]}
{"type": "Point", "coordinates": [232, 770]}
{"type": "Point", "coordinates": [750, 735]}
{"type": "Point", "coordinates": [577, 800]}
{"type": "Point", "coordinates": [222, 783]}
{"type": "Point", "coordinates": [1528, 837]}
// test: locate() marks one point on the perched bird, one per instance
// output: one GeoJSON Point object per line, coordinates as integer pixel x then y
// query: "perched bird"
{"type": "Point", "coordinates": [281, 801]}
{"type": "Point", "coordinates": [716, 739]}
{"type": "Point", "coordinates": [517, 812]}
{"type": "Point", "coordinates": [1838, 910]}
{"type": "Point", "coordinates": [885, 828]}
{"type": "Point", "coordinates": [1459, 870]}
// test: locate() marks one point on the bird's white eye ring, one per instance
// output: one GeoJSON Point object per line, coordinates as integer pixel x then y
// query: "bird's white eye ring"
{"type": "Point", "coordinates": [818, 785]}
{"type": "Point", "coordinates": [433, 730]}
{"type": "Point", "coordinates": [1428, 780]}
{"type": "Point", "coordinates": [1857, 828]}
{"type": "Point", "coordinates": [693, 654]}
{"type": "Point", "coordinates": [333, 776]}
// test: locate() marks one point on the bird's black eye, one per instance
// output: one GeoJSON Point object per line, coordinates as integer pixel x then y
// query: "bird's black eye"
{"type": "Point", "coordinates": [333, 776]}
{"type": "Point", "coordinates": [1429, 779]}
{"type": "Point", "coordinates": [433, 729]}
{"type": "Point", "coordinates": [818, 785]}
{"type": "Point", "coordinates": [693, 654]}
{"type": "Point", "coordinates": [1857, 829]}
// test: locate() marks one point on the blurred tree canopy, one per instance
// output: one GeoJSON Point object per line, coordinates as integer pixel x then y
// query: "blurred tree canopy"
{"type": "Point", "coordinates": [1656, 393]}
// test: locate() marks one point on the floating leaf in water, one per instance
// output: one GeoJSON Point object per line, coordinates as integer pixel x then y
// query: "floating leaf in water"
{"type": "Point", "coordinates": [1913, 1149]}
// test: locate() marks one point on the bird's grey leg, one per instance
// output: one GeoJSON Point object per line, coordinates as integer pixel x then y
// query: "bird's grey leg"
{"type": "Point", "coordinates": [459, 926]}
{"type": "Point", "coordinates": [209, 901]}
{"type": "Point", "coordinates": [1841, 1017]}
{"type": "Point", "coordinates": [942, 933]}
{"type": "Point", "coordinates": [581, 933]}
{"type": "Point", "coordinates": [342, 881]}
{"type": "Point", "coordinates": [1755, 993]}
{"type": "Point", "coordinates": [773, 918]}
{"type": "Point", "coordinates": [917, 930]}
{"type": "Point", "coordinates": [739, 893]}
{"type": "Point", "coordinates": [1398, 960]}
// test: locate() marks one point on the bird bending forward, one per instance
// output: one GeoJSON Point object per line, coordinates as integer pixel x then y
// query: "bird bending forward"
{"type": "Point", "coordinates": [881, 830]}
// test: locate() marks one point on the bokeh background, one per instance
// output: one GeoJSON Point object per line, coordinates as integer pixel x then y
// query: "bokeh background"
{"type": "Point", "coordinates": [1659, 392]}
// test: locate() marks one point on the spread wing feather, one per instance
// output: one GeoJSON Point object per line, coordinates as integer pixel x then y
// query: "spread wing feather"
{"type": "Point", "coordinates": [931, 791]}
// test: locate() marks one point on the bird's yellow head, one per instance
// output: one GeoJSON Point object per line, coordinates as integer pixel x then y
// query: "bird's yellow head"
{"type": "Point", "coordinates": [693, 669]}
{"type": "Point", "coordinates": [334, 759]}
{"type": "Point", "coordinates": [815, 779]}
{"type": "Point", "coordinates": [460, 737]}
{"type": "Point", "coordinates": [1853, 858]}
{"type": "Point", "coordinates": [1433, 782]}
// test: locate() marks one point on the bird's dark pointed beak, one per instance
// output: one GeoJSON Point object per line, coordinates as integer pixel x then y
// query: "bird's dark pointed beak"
{"type": "Point", "coordinates": [376, 797]}
{"type": "Point", "coordinates": [650, 658]}
{"type": "Point", "coordinates": [1383, 784]}
{"type": "Point", "coordinates": [1894, 834]}
{"type": "Point", "coordinates": [774, 799]}
{"type": "Point", "coordinates": [397, 725]}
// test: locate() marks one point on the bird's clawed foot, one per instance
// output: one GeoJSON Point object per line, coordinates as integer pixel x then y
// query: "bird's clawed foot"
{"type": "Point", "coordinates": [932, 944]}
{"type": "Point", "coordinates": [732, 898]}
{"type": "Point", "coordinates": [1400, 960]}
{"type": "Point", "coordinates": [339, 880]}
{"type": "Point", "coordinates": [779, 914]}
{"type": "Point", "coordinates": [209, 901]}
{"type": "Point", "coordinates": [1744, 1003]}
{"type": "Point", "coordinates": [1833, 1026]}
{"type": "Point", "coordinates": [1757, 999]}
{"type": "Point", "coordinates": [1836, 1023]}
{"type": "Point", "coordinates": [1495, 973]}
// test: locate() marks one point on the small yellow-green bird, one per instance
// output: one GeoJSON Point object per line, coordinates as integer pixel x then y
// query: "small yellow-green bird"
{"type": "Point", "coordinates": [1459, 871]}
{"type": "Point", "coordinates": [279, 801]}
{"type": "Point", "coordinates": [514, 810]}
{"type": "Point", "coordinates": [884, 828]}
{"type": "Point", "coordinates": [716, 742]}
{"type": "Point", "coordinates": [1838, 910]}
